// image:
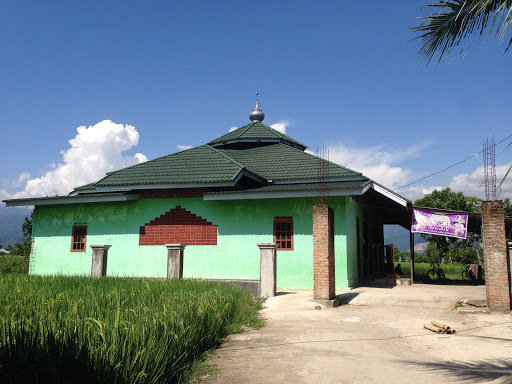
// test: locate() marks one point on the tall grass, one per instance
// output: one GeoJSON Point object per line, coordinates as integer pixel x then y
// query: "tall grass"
{"type": "Point", "coordinates": [110, 330]}
{"type": "Point", "coordinates": [451, 271]}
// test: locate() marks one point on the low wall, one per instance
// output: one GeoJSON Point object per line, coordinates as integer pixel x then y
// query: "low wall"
{"type": "Point", "coordinates": [253, 286]}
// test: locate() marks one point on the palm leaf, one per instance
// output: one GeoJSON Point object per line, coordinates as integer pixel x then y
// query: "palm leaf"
{"type": "Point", "coordinates": [452, 22]}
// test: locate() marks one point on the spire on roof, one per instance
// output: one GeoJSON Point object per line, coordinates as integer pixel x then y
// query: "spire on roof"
{"type": "Point", "coordinates": [257, 114]}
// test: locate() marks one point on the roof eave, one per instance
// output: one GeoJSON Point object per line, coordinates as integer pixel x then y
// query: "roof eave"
{"type": "Point", "coordinates": [391, 195]}
{"type": "Point", "coordinates": [315, 180]}
{"type": "Point", "coordinates": [249, 195]}
{"type": "Point", "coordinates": [59, 200]}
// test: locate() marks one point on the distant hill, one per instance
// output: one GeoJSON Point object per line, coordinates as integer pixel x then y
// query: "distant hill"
{"type": "Point", "coordinates": [395, 234]}
{"type": "Point", "coordinates": [11, 220]}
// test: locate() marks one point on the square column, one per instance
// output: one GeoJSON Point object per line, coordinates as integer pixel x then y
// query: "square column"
{"type": "Point", "coordinates": [99, 260]}
{"type": "Point", "coordinates": [267, 269]}
{"type": "Point", "coordinates": [175, 261]}
{"type": "Point", "coordinates": [497, 282]}
{"type": "Point", "coordinates": [323, 253]}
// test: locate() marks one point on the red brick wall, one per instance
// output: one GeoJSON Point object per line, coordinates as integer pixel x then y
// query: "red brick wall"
{"type": "Point", "coordinates": [495, 256]}
{"type": "Point", "coordinates": [323, 252]}
{"type": "Point", "coordinates": [178, 226]}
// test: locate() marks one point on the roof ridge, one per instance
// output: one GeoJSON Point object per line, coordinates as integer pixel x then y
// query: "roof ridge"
{"type": "Point", "coordinates": [246, 127]}
{"type": "Point", "coordinates": [226, 156]}
{"type": "Point", "coordinates": [236, 162]}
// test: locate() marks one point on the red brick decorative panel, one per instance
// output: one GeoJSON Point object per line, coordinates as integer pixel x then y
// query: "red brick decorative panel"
{"type": "Point", "coordinates": [178, 226]}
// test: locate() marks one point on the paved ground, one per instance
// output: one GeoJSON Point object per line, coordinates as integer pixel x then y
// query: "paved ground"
{"type": "Point", "coordinates": [376, 337]}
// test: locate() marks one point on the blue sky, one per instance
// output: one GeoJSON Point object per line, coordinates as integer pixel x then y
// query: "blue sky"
{"type": "Point", "coordinates": [334, 73]}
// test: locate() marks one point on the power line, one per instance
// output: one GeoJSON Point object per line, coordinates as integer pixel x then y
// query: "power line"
{"type": "Point", "coordinates": [451, 166]}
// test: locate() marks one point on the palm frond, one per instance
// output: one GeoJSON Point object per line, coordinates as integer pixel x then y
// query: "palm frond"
{"type": "Point", "coordinates": [453, 21]}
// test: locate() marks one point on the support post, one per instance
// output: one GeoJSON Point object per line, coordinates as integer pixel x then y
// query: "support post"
{"type": "Point", "coordinates": [99, 260]}
{"type": "Point", "coordinates": [267, 269]}
{"type": "Point", "coordinates": [411, 244]}
{"type": "Point", "coordinates": [175, 261]}
{"type": "Point", "coordinates": [497, 283]}
{"type": "Point", "coordinates": [323, 255]}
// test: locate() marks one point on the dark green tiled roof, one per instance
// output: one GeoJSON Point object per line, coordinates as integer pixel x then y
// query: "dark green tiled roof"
{"type": "Point", "coordinates": [85, 187]}
{"type": "Point", "coordinates": [282, 162]}
{"type": "Point", "coordinates": [255, 131]}
{"type": "Point", "coordinates": [202, 164]}
{"type": "Point", "coordinates": [335, 186]}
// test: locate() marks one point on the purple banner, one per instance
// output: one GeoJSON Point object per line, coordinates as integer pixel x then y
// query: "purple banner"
{"type": "Point", "coordinates": [439, 224]}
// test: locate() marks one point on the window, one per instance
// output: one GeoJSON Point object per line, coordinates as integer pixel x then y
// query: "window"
{"type": "Point", "coordinates": [283, 233]}
{"type": "Point", "coordinates": [78, 238]}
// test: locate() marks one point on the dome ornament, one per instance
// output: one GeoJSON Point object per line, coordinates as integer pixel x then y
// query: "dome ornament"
{"type": "Point", "coordinates": [257, 114]}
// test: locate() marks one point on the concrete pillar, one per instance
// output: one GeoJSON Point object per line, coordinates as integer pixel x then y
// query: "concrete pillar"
{"type": "Point", "coordinates": [175, 261]}
{"type": "Point", "coordinates": [497, 283]}
{"type": "Point", "coordinates": [323, 253]}
{"type": "Point", "coordinates": [99, 260]}
{"type": "Point", "coordinates": [267, 269]}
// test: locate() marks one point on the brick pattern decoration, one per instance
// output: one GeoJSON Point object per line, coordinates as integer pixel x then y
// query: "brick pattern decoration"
{"type": "Point", "coordinates": [323, 253]}
{"type": "Point", "coordinates": [497, 282]}
{"type": "Point", "coordinates": [178, 226]}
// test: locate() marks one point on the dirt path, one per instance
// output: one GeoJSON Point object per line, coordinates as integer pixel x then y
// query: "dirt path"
{"type": "Point", "coordinates": [378, 337]}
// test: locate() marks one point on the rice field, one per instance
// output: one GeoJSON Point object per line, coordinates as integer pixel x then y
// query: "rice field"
{"type": "Point", "coordinates": [112, 330]}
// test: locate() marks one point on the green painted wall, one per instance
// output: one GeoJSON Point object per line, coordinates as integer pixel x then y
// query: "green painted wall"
{"type": "Point", "coordinates": [241, 224]}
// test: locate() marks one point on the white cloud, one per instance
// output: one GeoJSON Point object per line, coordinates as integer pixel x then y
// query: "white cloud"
{"type": "Point", "coordinates": [183, 147]}
{"type": "Point", "coordinates": [374, 162]}
{"type": "Point", "coordinates": [417, 192]}
{"type": "Point", "coordinates": [232, 129]}
{"type": "Point", "coordinates": [94, 151]}
{"type": "Point", "coordinates": [280, 126]}
{"type": "Point", "coordinates": [472, 184]}
{"type": "Point", "coordinates": [24, 176]}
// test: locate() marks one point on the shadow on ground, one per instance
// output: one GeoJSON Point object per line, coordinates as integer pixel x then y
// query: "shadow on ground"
{"type": "Point", "coordinates": [482, 371]}
{"type": "Point", "coordinates": [346, 298]}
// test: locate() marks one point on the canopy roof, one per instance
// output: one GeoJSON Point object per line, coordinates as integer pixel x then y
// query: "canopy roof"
{"type": "Point", "coordinates": [255, 132]}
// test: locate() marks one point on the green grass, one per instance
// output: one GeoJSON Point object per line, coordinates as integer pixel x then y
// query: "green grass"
{"type": "Point", "coordinates": [113, 330]}
{"type": "Point", "coordinates": [452, 271]}
{"type": "Point", "coordinates": [13, 264]}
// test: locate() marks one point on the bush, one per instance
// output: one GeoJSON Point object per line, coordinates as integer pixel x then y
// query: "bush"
{"type": "Point", "coordinates": [13, 264]}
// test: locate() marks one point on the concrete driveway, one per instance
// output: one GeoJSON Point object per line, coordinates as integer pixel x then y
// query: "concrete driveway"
{"type": "Point", "coordinates": [377, 336]}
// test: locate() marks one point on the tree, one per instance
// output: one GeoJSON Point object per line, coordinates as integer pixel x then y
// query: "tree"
{"type": "Point", "coordinates": [452, 22]}
{"type": "Point", "coordinates": [24, 248]}
{"type": "Point", "coordinates": [507, 207]}
{"type": "Point", "coordinates": [447, 199]}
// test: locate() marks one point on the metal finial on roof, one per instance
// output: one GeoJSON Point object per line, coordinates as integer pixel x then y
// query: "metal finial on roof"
{"type": "Point", "coordinates": [257, 114]}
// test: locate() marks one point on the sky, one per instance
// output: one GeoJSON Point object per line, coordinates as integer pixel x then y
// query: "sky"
{"type": "Point", "coordinates": [90, 87]}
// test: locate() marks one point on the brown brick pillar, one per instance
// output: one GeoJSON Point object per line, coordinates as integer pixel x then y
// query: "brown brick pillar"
{"type": "Point", "coordinates": [323, 252]}
{"type": "Point", "coordinates": [495, 256]}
